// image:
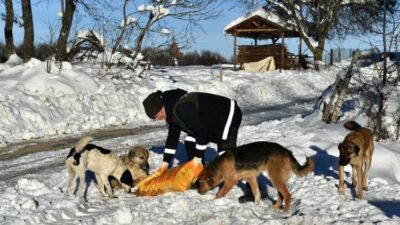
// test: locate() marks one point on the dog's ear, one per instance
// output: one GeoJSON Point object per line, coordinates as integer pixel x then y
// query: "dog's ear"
{"type": "Point", "coordinates": [340, 146]}
{"type": "Point", "coordinates": [131, 154]}
{"type": "Point", "coordinates": [210, 180]}
{"type": "Point", "coordinates": [356, 149]}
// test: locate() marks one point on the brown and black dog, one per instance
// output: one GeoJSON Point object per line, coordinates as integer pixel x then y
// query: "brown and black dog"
{"type": "Point", "coordinates": [356, 150]}
{"type": "Point", "coordinates": [246, 162]}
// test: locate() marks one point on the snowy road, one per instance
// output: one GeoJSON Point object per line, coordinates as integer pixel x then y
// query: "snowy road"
{"type": "Point", "coordinates": [47, 152]}
{"type": "Point", "coordinates": [31, 186]}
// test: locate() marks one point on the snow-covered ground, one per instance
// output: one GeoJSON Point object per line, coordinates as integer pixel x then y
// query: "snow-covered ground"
{"type": "Point", "coordinates": [82, 97]}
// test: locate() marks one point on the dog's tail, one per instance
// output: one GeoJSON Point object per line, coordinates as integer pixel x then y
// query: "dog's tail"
{"type": "Point", "coordinates": [80, 145]}
{"type": "Point", "coordinates": [300, 170]}
{"type": "Point", "coordinates": [351, 125]}
{"type": "Point", "coordinates": [80, 148]}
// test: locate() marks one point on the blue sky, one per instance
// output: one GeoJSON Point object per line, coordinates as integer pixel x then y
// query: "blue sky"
{"type": "Point", "coordinates": [212, 38]}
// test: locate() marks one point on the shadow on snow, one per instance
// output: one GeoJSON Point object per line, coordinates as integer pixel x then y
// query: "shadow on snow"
{"type": "Point", "coordinates": [388, 207]}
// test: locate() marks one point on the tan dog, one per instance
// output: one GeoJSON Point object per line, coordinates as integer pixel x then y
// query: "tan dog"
{"type": "Point", "coordinates": [102, 162]}
{"type": "Point", "coordinates": [137, 162]}
{"type": "Point", "coordinates": [356, 150]}
{"type": "Point", "coordinates": [246, 162]}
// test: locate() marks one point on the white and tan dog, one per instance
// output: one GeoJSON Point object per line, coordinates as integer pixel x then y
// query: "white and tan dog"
{"type": "Point", "coordinates": [137, 162]}
{"type": "Point", "coordinates": [102, 162]}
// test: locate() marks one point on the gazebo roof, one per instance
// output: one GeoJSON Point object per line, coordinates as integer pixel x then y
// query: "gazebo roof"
{"type": "Point", "coordinates": [261, 24]}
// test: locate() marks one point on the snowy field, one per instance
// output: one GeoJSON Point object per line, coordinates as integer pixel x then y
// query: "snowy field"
{"type": "Point", "coordinates": [82, 97]}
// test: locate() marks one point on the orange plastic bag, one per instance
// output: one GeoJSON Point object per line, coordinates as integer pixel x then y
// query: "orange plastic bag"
{"type": "Point", "coordinates": [177, 179]}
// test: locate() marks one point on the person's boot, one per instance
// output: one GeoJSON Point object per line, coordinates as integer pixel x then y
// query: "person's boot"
{"type": "Point", "coordinates": [248, 195]}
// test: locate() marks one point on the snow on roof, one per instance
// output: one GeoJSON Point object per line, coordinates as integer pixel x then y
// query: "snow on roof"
{"type": "Point", "coordinates": [268, 15]}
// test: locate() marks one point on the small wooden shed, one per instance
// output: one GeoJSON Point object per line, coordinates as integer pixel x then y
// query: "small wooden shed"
{"type": "Point", "coordinates": [260, 25]}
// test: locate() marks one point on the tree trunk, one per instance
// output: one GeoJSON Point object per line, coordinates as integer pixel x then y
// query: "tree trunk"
{"type": "Point", "coordinates": [67, 18]}
{"type": "Point", "coordinates": [8, 29]}
{"type": "Point", "coordinates": [62, 2]}
{"type": "Point", "coordinates": [28, 52]}
{"type": "Point", "coordinates": [120, 37]}
{"type": "Point", "coordinates": [318, 53]}
{"type": "Point", "coordinates": [379, 129]}
{"type": "Point", "coordinates": [139, 39]}
{"type": "Point", "coordinates": [332, 112]}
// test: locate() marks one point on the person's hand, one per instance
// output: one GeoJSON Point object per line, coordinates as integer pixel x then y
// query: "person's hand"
{"type": "Point", "coordinates": [163, 167]}
{"type": "Point", "coordinates": [197, 160]}
{"type": "Point", "coordinates": [157, 173]}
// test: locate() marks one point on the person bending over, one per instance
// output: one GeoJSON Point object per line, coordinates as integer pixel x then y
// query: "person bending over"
{"type": "Point", "coordinates": [204, 117]}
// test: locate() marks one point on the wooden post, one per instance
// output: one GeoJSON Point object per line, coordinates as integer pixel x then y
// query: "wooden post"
{"type": "Point", "coordinates": [221, 72]}
{"type": "Point", "coordinates": [282, 52]}
{"type": "Point", "coordinates": [234, 50]}
{"type": "Point", "coordinates": [299, 57]}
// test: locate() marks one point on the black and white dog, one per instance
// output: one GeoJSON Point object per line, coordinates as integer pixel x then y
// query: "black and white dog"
{"type": "Point", "coordinates": [102, 162]}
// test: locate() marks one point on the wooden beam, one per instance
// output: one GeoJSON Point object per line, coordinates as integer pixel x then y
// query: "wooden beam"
{"type": "Point", "coordinates": [234, 50]}
{"type": "Point", "coordinates": [256, 30]}
{"type": "Point", "coordinates": [282, 51]}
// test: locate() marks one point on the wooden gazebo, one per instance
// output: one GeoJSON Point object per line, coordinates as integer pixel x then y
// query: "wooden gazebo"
{"type": "Point", "coordinates": [261, 25]}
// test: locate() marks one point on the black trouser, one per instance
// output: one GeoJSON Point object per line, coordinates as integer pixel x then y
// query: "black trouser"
{"type": "Point", "coordinates": [190, 148]}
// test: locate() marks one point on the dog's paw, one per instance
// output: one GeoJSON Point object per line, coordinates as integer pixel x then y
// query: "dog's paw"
{"type": "Point", "coordinates": [341, 191]}
{"type": "Point", "coordinates": [82, 206]}
{"type": "Point", "coordinates": [82, 202]}
{"type": "Point", "coordinates": [105, 197]}
{"type": "Point", "coordinates": [219, 201]}
{"type": "Point", "coordinates": [67, 194]}
{"type": "Point", "coordinates": [277, 205]}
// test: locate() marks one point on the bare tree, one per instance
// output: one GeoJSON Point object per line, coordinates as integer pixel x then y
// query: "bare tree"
{"type": "Point", "coordinates": [50, 39]}
{"type": "Point", "coordinates": [386, 24]}
{"type": "Point", "coordinates": [90, 7]}
{"type": "Point", "coordinates": [192, 12]}
{"type": "Point", "coordinates": [140, 23]}
{"type": "Point", "coordinates": [378, 129]}
{"type": "Point", "coordinates": [388, 27]}
{"type": "Point", "coordinates": [123, 28]}
{"type": "Point", "coordinates": [28, 52]}
{"type": "Point", "coordinates": [154, 24]}
{"type": "Point", "coordinates": [66, 23]}
{"type": "Point", "coordinates": [8, 29]}
{"type": "Point", "coordinates": [333, 110]}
